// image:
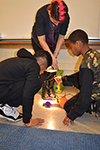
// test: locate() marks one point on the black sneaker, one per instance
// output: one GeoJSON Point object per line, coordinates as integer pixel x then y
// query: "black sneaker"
{"type": "Point", "coordinates": [10, 113]}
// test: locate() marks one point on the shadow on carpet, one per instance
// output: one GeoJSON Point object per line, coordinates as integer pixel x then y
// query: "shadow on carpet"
{"type": "Point", "coordinates": [23, 138]}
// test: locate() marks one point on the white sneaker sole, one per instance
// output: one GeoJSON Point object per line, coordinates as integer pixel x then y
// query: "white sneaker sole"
{"type": "Point", "coordinates": [9, 119]}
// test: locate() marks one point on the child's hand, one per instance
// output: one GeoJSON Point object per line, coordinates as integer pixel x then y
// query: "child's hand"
{"type": "Point", "coordinates": [58, 79]}
{"type": "Point", "coordinates": [34, 122]}
{"type": "Point", "coordinates": [66, 121]}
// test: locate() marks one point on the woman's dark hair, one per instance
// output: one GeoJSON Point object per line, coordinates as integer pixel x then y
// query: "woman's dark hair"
{"type": "Point", "coordinates": [78, 35]}
{"type": "Point", "coordinates": [58, 10]}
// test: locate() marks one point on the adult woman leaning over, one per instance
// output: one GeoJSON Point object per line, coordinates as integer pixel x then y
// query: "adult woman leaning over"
{"type": "Point", "coordinates": [50, 27]}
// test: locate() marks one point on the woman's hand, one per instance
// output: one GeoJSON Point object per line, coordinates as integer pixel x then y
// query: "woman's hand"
{"type": "Point", "coordinates": [34, 122]}
{"type": "Point", "coordinates": [54, 62]}
{"type": "Point", "coordinates": [44, 45]}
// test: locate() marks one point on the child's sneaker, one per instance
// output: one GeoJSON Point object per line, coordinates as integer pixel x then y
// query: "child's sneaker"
{"type": "Point", "coordinates": [10, 113]}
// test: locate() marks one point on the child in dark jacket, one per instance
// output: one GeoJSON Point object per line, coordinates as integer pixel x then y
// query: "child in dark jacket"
{"type": "Point", "coordinates": [19, 82]}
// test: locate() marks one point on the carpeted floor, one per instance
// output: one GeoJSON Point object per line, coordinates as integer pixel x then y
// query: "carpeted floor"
{"type": "Point", "coordinates": [22, 138]}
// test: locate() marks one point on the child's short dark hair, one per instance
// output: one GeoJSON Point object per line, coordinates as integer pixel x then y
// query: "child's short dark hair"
{"type": "Point", "coordinates": [45, 54]}
{"type": "Point", "coordinates": [78, 35]}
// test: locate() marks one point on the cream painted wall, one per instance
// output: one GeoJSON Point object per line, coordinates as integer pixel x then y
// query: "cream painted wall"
{"type": "Point", "coordinates": [16, 20]}
{"type": "Point", "coordinates": [8, 53]}
{"type": "Point", "coordinates": [85, 15]}
{"type": "Point", "coordinates": [17, 16]}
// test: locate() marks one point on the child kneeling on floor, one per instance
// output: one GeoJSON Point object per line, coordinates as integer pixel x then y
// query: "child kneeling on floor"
{"type": "Point", "coordinates": [87, 79]}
